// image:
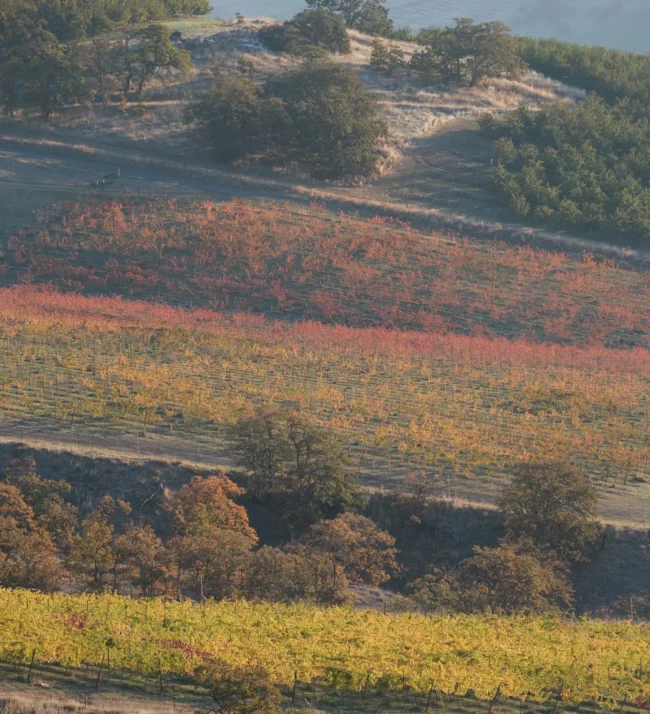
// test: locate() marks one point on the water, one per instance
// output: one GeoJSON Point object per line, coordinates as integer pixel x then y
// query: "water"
{"type": "Point", "coordinates": [623, 24]}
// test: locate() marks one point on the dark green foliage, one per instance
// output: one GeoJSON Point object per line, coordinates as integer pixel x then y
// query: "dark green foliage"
{"type": "Point", "coordinates": [334, 120]}
{"type": "Point", "coordinates": [308, 29]}
{"type": "Point", "coordinates": [610, 73]}
{"type": "Point", "coordinates": [36, 70]}
{"type": "Point", "coordinates": [585, 166]}
{"type": "Point", "coordinates": [320, 117]}
{"type": "Point", "coordinates": [468, 52]}
{"type": "Point", "coordinates": [387, 59]}
{"type": "Point", "coordinates": [369, 16]}
{"type": "Point", "coordinates": [235, 121]}
{"type": "Point", "coordinates": [142, 52]}
{"type": "Point", "coordinates": [295, 464]}
{"type": "Point", "coordinates": [553, 505]}
{"type": "Point", "coordinates": [76, 19]}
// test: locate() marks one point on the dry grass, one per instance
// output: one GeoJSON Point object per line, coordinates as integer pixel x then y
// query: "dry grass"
{"type": "Point", "coordinates": [411, 110]}
{"type": "Point", "coordinates": [35, 702]}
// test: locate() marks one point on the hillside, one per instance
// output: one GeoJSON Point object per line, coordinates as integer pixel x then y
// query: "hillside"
{"type": "Point", "coordinates": [312, 265]}
{"type": "Point", "coordinates": [159, 323]}
{"type": "Point", "coordinates": [435, 157]}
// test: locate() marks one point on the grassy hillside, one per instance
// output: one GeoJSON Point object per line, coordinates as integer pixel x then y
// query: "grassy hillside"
{"type": "Point", "coordinates": [532, 659]}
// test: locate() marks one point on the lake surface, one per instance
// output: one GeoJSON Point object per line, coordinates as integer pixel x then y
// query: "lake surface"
{"type": "Point", "coordinates": [623, 24]}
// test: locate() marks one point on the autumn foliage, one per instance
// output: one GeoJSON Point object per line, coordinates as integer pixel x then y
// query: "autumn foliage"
{"type": "Point", "coordinates": [338, 270]}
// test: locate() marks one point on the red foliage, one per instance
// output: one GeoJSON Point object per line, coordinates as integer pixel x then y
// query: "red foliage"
{"type": "Point", "coordinates": [342, 270]}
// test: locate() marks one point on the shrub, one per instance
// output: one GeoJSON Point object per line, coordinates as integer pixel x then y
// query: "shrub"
{"type": "Point", "coordinates": [386, 59]}
{"type": "Point", "coordinates": [240, 690]}
{"type": "Point", "coordinates": [584, 166]}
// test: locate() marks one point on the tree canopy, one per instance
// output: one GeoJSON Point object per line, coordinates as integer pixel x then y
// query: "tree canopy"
{"type": "Point", "coordinates": [509, 579]}
{"type": "Point", "coordinates": [553, 504]}
{"type": "Point", "coordinates": [77, 19]}
{"type": "Point", "coordinates": [370, 16]}
{"type": "Point", "coordinates": [319, 117]}
{"type": "Point", "coordinates": [297, 464]}
{"type": "Point", "coordinates": [468, 53]}
{"type": "Point", "coordinates": [307, 30]}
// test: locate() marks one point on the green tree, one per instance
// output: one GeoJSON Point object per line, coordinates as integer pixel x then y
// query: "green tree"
{"type": "Point", "coordinates": [296, 464]}
{"type": "Point", "coordinates": [386, 59]}
{"type": "Point", "coordinates": [554, 505]}
{"type": "Point", "coordinates": [320, 117]}
{"type": "Point", "coordinates": [369, 16]}
{"type": "Point", "coordinates": [234, 121]}
{"type": "Point", "coordinates": [335, 127]}
{"type": "Point", "coordinates": [143, 52]}
{"type": "Point", "coordinates": [468, 53]}
{"type": "Point", "coordinates": [97, 63]}
{"type": "Point", "coordinates": [308, 29]}
{"type": "Point", "coordinates": [54, 79]}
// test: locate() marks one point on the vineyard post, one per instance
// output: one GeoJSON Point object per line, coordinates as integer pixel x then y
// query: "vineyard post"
{"type": "Point", "coordinates": [365, 687]}
{"type": "Point", "coordinates": [623, 705]}
{"type": "Point", "coordinates": [426, 709]}
{"type": "Point", "coordinates": [295, 685]}
{"type": "Point", "coordinates": [496, 694]}
{"type": "Point", "coordinates": [31, 664]}
{"type": "Point", "coordinates": [99, 672]}
{"type": "Point", "coordinates": [559, 695]}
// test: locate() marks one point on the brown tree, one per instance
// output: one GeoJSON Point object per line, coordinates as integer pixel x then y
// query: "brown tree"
{"type": "Point", "coordinates": [213, 563]}
{"type": "Point", "coordinates": [143, 558]}
{"type": "Point", "coordinates": [512, 578]}
{"type": "Point", "coordinates": [93, 558]}
{"type": "Point", "coordinates": [366, 554]}
{"type": "Point", "coordinates": [208, 503]}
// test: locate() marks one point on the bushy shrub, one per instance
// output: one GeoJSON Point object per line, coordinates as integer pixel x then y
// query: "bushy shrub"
{"type": "Point", "coordinates": [586, 166]}
{"type": "Point", "coordinates": [320, 117]}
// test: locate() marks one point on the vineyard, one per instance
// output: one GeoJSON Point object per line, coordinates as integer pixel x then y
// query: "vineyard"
{"type": "Point", "coordinates": [533, 659]}
{"type": "Point", "coordinates": [312, 265]}
{"type": "Point", "coordinates": [459, 405]}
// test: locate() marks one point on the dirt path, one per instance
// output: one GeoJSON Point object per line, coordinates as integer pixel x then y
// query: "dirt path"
{"type": "Point", "coordinates": [34, 179]}
{"type": "Point", "coordinates": [34, 176]}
